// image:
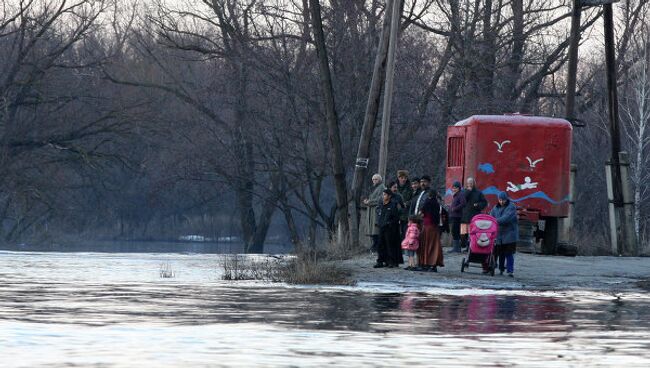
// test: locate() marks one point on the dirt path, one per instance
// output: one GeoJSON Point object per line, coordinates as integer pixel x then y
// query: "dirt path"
{"type": "Point", "coordinates": [533, 272]}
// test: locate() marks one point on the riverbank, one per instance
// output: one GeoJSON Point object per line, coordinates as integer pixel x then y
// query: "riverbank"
{"type": "Point", "coordinates": [532, 272]}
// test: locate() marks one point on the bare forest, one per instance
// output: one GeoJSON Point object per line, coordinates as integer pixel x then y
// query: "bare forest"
{"type": "Point", "coordinates": [154, 119]}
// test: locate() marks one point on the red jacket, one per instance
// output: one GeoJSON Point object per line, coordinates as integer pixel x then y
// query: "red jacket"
{"type": "Point", "coordinates": [412, 239]}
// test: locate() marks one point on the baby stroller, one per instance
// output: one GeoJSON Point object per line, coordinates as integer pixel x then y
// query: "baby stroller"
{"type": "Point", "coordinates": [482, 235]}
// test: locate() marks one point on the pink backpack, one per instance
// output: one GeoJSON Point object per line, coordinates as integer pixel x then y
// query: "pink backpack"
{"type": "Point", "coordinates": [412, 239]}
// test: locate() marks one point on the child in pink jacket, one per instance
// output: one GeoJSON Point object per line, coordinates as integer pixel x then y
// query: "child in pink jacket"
{"type": "Point", "coordinates": [412, 240]}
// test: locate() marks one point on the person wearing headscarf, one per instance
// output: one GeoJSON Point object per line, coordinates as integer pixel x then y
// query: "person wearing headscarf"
{"type": "Point", "coordinates": [455, 214]}
{"type": "Point", "coordinates": [508, 234]}
{"type": "Point", "coordinates": [430, 250]}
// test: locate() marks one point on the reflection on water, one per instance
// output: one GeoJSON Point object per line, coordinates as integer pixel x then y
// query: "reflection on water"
{"type": "Point", "coordinates": [73, 309]}
{"type": "Point", "coordinates": [148, 246]}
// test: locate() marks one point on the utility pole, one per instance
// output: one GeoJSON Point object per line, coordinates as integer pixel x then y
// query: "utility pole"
{"type": "Point", "coordinates": [388, 87]}
{"type": "Point", "coordinates": [574, 43]}
{"type": "Point", "coordinates": [623, 240]}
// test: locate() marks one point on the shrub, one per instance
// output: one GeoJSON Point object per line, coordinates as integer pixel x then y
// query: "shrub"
{"type": "Point", "coordinates": [308, 267]}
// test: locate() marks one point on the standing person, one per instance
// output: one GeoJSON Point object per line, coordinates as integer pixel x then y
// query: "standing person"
{"type": "Point", "coordinates": [455, 214]}
{"type": "Point", "coordinates": [389, 252]}
{"type": "Point", "coordinates": [403, 185]}
{"type": "Point", "coordinates": [404, 189]}
{"type": "Point", "coordinates": [430, 251]}
{"type": "Point", "coordinates": [373, 200]}
{"type": "Point", "coordinates": [411, 241]}
{"type": "Point", "coordinates": [415, 187]}
{"type": "Point", "coordinates": [425, 183]}
{"type": "Point", "coordinates": [474, 203]}
{"type": "Point", "coordinates": [401, 209]}
{"type": "Point", "coordinates": [420, 195]}
{"type": "Point", "coordinates": [415, 191]}
{"type": "Point", "coordinates": [397, 197]}
{"type": "Point", "coordinates": [506, 244]}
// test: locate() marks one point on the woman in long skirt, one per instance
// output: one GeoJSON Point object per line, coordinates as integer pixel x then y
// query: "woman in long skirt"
{"type": "Point", "coordinates": [430, 250]}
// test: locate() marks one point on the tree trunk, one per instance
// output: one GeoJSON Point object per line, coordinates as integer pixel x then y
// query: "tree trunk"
{"type": "Point", "coordinates": [291, 225]}
{"type": "Point", "coordinates": [331, 119]}
{"type": "Point", "coordinates": [487, 64]}
{"type": "Point", "coordinates": [369, 123]}
{"type": "Point", "coordinates": [517, 53]}
{"type": "Point", "coordinates": [257, 245]}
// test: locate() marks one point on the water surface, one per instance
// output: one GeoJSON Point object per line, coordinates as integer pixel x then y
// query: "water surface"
{"type": "Point", "coordinates": [114, 310]}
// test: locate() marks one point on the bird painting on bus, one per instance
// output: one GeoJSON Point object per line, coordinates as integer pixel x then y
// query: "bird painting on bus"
{"type": "Point", "coordinates": [500, 145]}
{"type": "Point", "coordinates": [533, 163]}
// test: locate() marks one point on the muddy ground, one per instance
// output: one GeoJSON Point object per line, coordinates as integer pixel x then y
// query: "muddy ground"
{"type": "Point", "coordinates": [532, 272]}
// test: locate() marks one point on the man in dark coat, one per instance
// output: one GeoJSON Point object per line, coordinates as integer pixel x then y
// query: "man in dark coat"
{"type": "Point", "coordinates": [475, 203]}
{"type": "Point", "coordinates": [404, 186]}
{"type": "Point", "coordinates": [404, 190]}
{"type": "Point", "coordinates": [415, 191]}
{"type": "Point", "coordinates": [389, 253]}
{"type": "Point", "coordinates": [418, 200]}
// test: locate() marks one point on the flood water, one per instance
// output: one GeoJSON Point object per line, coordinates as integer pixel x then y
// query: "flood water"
{"type": "Point", "coordinates": [114, 310]}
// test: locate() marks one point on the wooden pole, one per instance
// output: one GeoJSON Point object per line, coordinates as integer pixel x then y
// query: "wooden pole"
{"type": "Point", "coordinates": [574, 44]}
{"type": "Point", "coordinates": [614, 130]}
{"type": "Point", "coordinates": [368, 127]}
{"type": "Point", "coordinates": [388, 89]}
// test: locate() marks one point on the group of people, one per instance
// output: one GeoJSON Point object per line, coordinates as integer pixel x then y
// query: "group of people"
{"type": "Point", "coordinates": [409, 216]}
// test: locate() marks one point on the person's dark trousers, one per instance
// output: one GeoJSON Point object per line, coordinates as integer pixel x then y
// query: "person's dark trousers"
{"type": "Point", "coordinates": [507, 260]}
{"type": "Point", "coordinates": [382, 248]}
{"type": "Point", "coordinates": [464, 241]}
{"type": "Point", "coordinates": [455, 233]}
{"type": "Point", "coordinates": [402, 229]}
{"type": "Point", "coordinates": [390, 251]}
{"type": "Point", "coordinates": [375, 243]}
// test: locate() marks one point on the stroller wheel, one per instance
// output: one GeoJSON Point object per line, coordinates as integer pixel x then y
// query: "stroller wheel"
{"type": "Point", "coordinates": [462, 265]}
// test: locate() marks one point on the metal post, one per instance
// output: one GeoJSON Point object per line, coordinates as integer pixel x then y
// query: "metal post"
{"type": "Point", "coordinates": [388, 87]}
{"type": "Point", "coordinates": [614, 230]}
{"type": "Point", "coordinates": [567, 223]}
{"type": "Point", "coordinates": [614, 131]}
{"type": "Point", "coordinates": [574, 42]}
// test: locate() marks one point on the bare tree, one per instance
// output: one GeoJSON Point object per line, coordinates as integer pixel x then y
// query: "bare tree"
{"type": "Point", "coordinates": [331, 120]}
{"type": "Point", "coordinates": [636, 111]}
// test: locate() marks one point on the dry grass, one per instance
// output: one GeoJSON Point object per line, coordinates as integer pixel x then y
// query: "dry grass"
{"type": "Point", "coordinates": [166, 271]}
{"type": "Point", "coordinates": [240, 267]}
{"type": "Point", "coordinates": [312, 266]}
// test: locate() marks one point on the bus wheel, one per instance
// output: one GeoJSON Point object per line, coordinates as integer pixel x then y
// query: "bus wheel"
{"type": "Point", "coordinates": [551, 235]}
